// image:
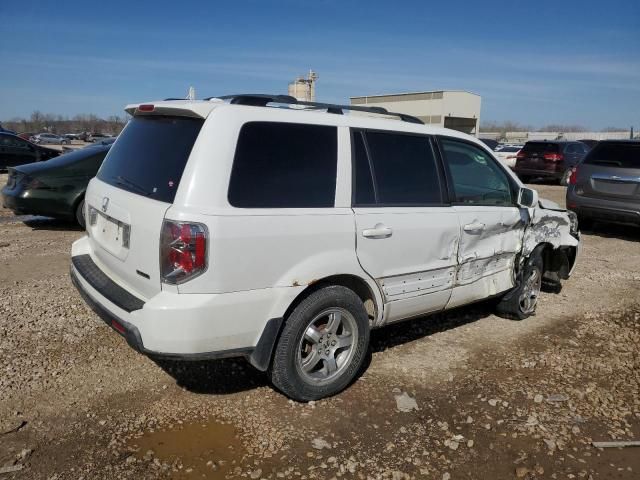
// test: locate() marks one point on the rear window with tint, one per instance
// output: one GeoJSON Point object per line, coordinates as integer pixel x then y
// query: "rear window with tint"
{"type": "Point", "coordinates": [284, 165]}
{"type": "Point", "coordinates": [150, 155]}
{"type": "Point", "coordinates": [541, 147]}
{"type": "Point", "coordinates": [625, 155]}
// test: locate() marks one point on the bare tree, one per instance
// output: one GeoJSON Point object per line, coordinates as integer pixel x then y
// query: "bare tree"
{"type": "Point", "coordinates": [80, 123]}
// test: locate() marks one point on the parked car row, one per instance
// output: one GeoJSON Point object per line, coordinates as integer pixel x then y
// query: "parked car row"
{"type": "Point", "coordinates": [549, 159]}
{"type": "Point", "coordinates": [49, 138]}
{"type": "Point", "coordinates": [605, 185]}
{"type": "Point", "coordinates": [508, 154]}
{"type": "Point", "coordinates": [54, 188]}
{"type": "Point", "coordinates": [17, 151]}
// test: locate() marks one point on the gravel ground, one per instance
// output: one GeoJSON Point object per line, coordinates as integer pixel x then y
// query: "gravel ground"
{"type": "Point", "coordinates": [458, 395]}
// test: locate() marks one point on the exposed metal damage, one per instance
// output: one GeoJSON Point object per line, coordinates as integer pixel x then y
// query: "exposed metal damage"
{"type": "Point", "coordinates": [555, 230]}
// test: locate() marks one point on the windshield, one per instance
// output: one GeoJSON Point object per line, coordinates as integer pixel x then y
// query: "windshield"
{"type": "Point", "coordinates": [625, 155]}
{"type": "Point", "coordinates": [150, 155]}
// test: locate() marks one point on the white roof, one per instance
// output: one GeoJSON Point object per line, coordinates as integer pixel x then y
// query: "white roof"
{"type": "Point", "coordinates": [203, 108]}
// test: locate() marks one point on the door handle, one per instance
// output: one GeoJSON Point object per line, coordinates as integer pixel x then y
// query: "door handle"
{"type": "Point", "coordinates": [379, 231]}
{"type": "Point", "coordinates": [474, 227]}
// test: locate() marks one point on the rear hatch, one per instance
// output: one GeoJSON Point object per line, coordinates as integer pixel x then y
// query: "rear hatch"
{"type": "Point", "coordinates": [611, 171]}
{"type": "Point", "coordinates": [127, 201]}
{"type": "Point", "coordinates": [541, 156]}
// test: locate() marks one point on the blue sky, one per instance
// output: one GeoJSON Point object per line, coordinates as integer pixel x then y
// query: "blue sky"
{"type": "Point", "coordinates": [534, 62]}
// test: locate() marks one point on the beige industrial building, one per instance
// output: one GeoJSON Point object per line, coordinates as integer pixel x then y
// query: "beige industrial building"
{"type": "Point", "coordinates": [304, 89]}
{"type": "Point", "coordinates": [454, 109]}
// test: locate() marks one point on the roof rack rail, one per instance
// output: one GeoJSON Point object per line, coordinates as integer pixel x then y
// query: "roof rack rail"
{"type": "Point", "coordinates": [262, 100]}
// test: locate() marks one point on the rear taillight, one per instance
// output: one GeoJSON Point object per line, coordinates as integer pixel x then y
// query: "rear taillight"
{"type": "Point", "coordinates": [573, 176]}
{"type": "Point", "coordinates": [183, 251]}
{"type": "Point", "coordinates": [35, 184]}
{"type": "Point", "coordinates": [93, 215]}
{"type": "Point", "coordinates": [520, 155]}
{"type": "Point", "coordinates": [553, 157]}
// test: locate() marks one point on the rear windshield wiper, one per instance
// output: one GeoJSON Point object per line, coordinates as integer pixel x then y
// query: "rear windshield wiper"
{"type": "Point", "coordinates": [120, 180]}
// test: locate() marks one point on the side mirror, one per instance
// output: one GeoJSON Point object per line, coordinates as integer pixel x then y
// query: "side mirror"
{"type": "Point", "coordinates": [527, 197]}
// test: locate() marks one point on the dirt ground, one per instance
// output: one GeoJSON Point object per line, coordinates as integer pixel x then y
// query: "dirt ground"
{"type": "Point", "coordinates": [494, 398]}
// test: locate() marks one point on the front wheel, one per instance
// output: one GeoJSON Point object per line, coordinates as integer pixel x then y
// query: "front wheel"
{"type": "Point", "coordinates": [322, 346]}
{"type": "Point", "coordinates": [521, 302]}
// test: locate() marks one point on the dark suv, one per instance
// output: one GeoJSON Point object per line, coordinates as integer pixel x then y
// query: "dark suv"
{"type": "Point", "coordinates": [549, 159]}
{"type": "Point", "coordinates": [606, 185]}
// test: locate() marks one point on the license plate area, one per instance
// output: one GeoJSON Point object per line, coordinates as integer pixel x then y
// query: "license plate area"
{"type": "Point", "coordinates": [109, 232]}
{"type": "Point", "coordinates": [615, 188]}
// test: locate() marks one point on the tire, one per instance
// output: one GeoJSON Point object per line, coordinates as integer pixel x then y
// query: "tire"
{"type": "Point", "coordinates": [585, 223]}
{"type": "Point", "coordinates": [521, 302]}
{"type": "Point", "coordinates": [80, 214]}
{"type": "Point", "coordinates": [322, 346]}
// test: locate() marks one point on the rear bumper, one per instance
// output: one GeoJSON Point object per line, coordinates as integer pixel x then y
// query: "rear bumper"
{"type": "Point", "coordinates": [185, 326]}
{"type": "Point", "coordinates": [538, 173]}
{"type": "Point", "coordinates": [22, 202]}
{"type": "Point", "coordinates": [603, 209]}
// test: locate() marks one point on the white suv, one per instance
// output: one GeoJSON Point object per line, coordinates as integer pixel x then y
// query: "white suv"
{"type": "Point", "coordinates": [285, 231]}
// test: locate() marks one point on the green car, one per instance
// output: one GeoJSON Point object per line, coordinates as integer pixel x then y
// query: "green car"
{"type": "Point", "coordinates": [56, 187]}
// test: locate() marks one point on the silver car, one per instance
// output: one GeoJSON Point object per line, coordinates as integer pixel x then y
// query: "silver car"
{"type": "Point", "coordinates": [606, 184]}
{"type": "Point", "coordinates": [49, 138]}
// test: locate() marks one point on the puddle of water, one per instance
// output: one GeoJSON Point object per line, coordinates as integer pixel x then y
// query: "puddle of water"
{"type": "Point", "coordinates": [195, 450]}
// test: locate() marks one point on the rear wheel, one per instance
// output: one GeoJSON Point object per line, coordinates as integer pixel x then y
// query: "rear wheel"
{"type": "Point", "coordinates": [521, 302]}
{"type": "Point", "coordinates": [322, 346]}
{"type": "Point", "coordinates": [80, 214]}
{"type": "Point", "coordinates": [525, 178]}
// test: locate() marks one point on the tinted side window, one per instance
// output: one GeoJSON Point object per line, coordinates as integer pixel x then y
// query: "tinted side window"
{"type": "Point", "coordinates": [363, 182]}
{"type": "Point", "coordinates": [404, 169]}
{"type": "Point", "coordinates": [284, 165]}
{"type": "Point", "coordinates": [476, 178]}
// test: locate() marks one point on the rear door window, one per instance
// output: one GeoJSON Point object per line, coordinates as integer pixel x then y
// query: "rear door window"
{"type": "Point", "coordinates": [623, 155]}
{"type": "Point", "coordinates": [150, 155]}
{"type": "Point", "coordinates": [284, 165]}
{"type": "Point", "coordinates": [402, 170]}
{"type": "Point", "coordinates": [364, 193]}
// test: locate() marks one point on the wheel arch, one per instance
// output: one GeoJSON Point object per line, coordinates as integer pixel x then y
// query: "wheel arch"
{"type": "Point", "coordinates": [357, 284]}
{"type": "Point", "coordinates": [262, 356]}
